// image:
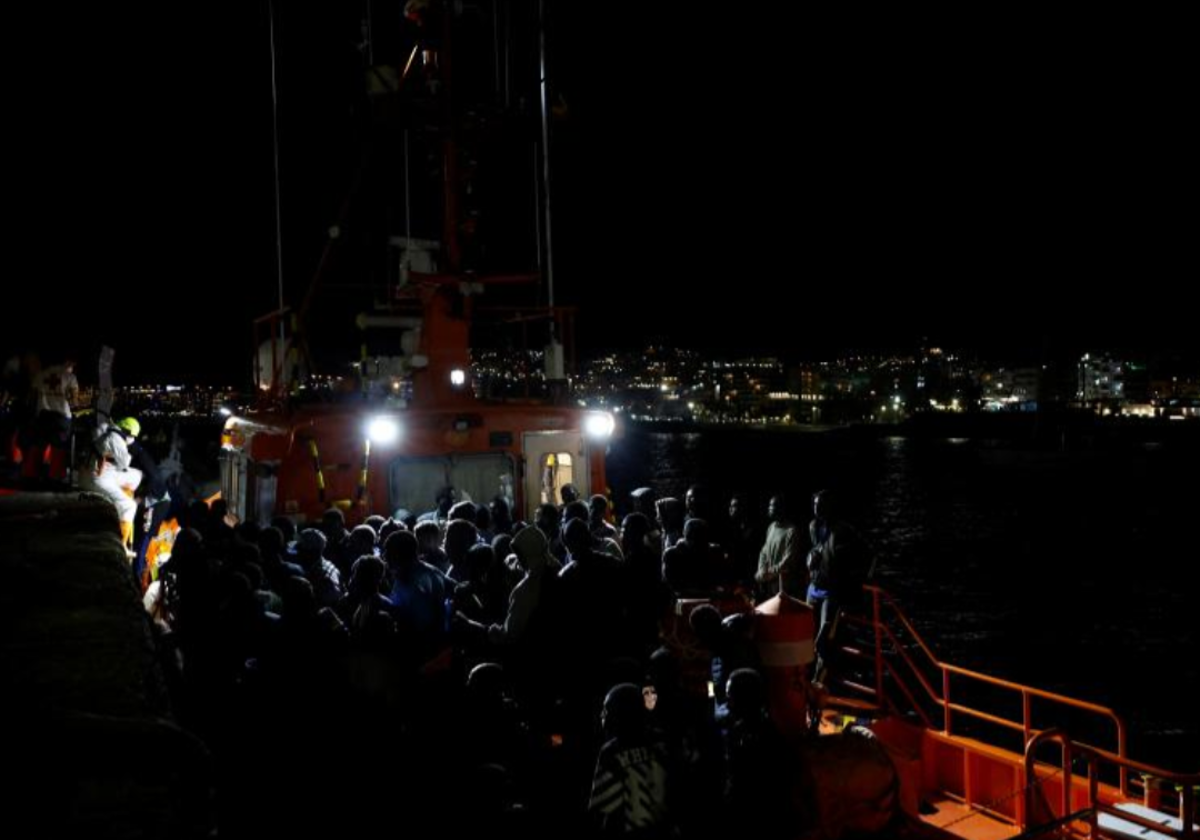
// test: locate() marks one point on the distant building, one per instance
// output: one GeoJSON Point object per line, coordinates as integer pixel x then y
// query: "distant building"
{"type": "Point", "coordinates": [1101, 381]}
{"type": "Point", "coordinates": [750, 390]}
{"type": "Point", "coordinates": [1011, 389]}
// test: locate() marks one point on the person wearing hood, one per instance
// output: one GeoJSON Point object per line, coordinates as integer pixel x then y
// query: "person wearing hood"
{"type": "Point", "coordinates": [670, 514]}
{"type": "Point", "coordinates": [525, 639]}
{"type": "Point", "coordinates": [532, 554]}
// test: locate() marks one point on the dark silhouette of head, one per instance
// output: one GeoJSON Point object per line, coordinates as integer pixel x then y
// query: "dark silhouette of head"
{"type": "Point", "coordinates": [577, 536]}
{"type": "Point", "coordinates": [446, 497]}
{"type": "Point", "coordinates": [705, 621]}
{"type": "Point", "coordinates": [400, 550]}
{"type": "Point", "coordinates": [695, 532]}
{"type": "Point", "coordinates": [746, 693]}
{"type": "Point", "coordinates": [634, 529]}
{"type": "Point", "coordinates": [546, 519]}
{"type": "Point", "coordinates": [825, 504]}
{"type": "Point", "coordinates": [779, 509]}
{"type": "Point", "coordinates": [643, 499]}
{"type": "Point", "coordinates": [598, 507]}
{"type": "Point", "coordinates": [624, 712]}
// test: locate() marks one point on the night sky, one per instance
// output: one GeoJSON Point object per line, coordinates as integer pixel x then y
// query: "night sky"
{"type": "Point", "coordinates": [978, 181]}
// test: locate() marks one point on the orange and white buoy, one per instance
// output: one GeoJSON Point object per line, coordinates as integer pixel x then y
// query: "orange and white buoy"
{"type": "Point", "coordinates": [785, 631]}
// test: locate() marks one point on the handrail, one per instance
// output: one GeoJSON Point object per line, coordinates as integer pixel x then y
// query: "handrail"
{"type": "Point", "coordinates": [1094, 806]}
{"type": "Point", "coordinates": [882, 630]}
{"type": "Point", "coordinates": [881, 599]}
{"type": "Point", "coordinates": [880, 593]}
{"type": "Point", "coordinates": [899, 640]}
{"type": "Point", "coordinates": [1054, 824]}
{"type": "Point", "coordinates": [1031, 771]}
{"type": "Point", "coordinates": [1084, 705]}
{"type": "Point", "coordinates": [986, 716]}
{"type": "Point", "coordinates": [921, 678]}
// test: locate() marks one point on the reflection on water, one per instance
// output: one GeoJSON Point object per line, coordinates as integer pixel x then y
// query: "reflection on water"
{"type": "Point", "coordinates": [1062, 570]}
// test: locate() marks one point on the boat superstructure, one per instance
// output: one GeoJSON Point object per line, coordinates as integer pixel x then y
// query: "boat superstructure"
{"type": "Point", "coordinates": [407, 418]}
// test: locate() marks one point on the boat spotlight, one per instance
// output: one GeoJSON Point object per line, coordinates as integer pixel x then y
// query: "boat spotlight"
{"type": "Point", "coordinates": [382, 430]}
{"type": "Point", "coordinates": [458, 377]}
{"type": "Point", "coordinates": [599, 425]}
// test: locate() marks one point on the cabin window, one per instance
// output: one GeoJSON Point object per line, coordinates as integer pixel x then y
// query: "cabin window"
{"type": "Point", "coordinates": [414, 483]}
{"type": "Point", "coordinates": [557, 469]}
{"type": "Point", "coordinates": [480, 478]}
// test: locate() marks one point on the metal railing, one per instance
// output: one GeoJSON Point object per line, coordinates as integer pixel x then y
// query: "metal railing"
{"type": "Point", "coordinates": [901, 659]}
{"type": "Point", "coordinates": [897, 642]}
{"type": "Point", "coordinates": [1094, 805]}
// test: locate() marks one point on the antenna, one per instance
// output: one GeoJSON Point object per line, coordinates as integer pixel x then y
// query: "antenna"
{"type": "Point", "coordinates": [275, 149]}
{"type": "Point", "coordinates": [554, 351]}
{"type": "Point", "coordinates": [543, 85]}
{"type": "Point", "coordinates": [370, 33]}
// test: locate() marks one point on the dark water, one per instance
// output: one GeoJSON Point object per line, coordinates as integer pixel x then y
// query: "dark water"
{"type": "Point", "coordinates": [1066, 571]}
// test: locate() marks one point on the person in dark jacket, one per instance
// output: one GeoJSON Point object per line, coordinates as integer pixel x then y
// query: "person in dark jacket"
{"type": "Point", "coordinates": [839, 564]}
{"type": "Point", "coordinates": [152, 495]}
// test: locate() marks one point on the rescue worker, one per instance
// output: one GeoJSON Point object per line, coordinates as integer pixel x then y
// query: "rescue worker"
{"type": "Point", "coordinates": [56, 388]}
{"type": "Point", "coordinates": [151, 493]}
{"type": "Point", "coordinates": [109, 473]}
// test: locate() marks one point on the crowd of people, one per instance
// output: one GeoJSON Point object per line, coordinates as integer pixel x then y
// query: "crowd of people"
{"type": "Point", "coordinates": [560, 673]}
{"type": "Point", "coordinates": [578, 673]}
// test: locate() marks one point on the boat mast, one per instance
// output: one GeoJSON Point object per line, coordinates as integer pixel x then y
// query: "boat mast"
{"type": "Point", "coordinates": [275, 150]}
{"type": "Point", "coordinates": [554, 352]}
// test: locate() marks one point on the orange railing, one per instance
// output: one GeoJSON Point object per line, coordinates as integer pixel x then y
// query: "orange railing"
{"type": "Point", "coordinates": [897, 642]}
{"type": "Point", "coordinates": [1094, 804]}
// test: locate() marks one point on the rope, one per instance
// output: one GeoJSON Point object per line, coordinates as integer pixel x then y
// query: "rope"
{"type": "Point", "coordinates": [978, 809]}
